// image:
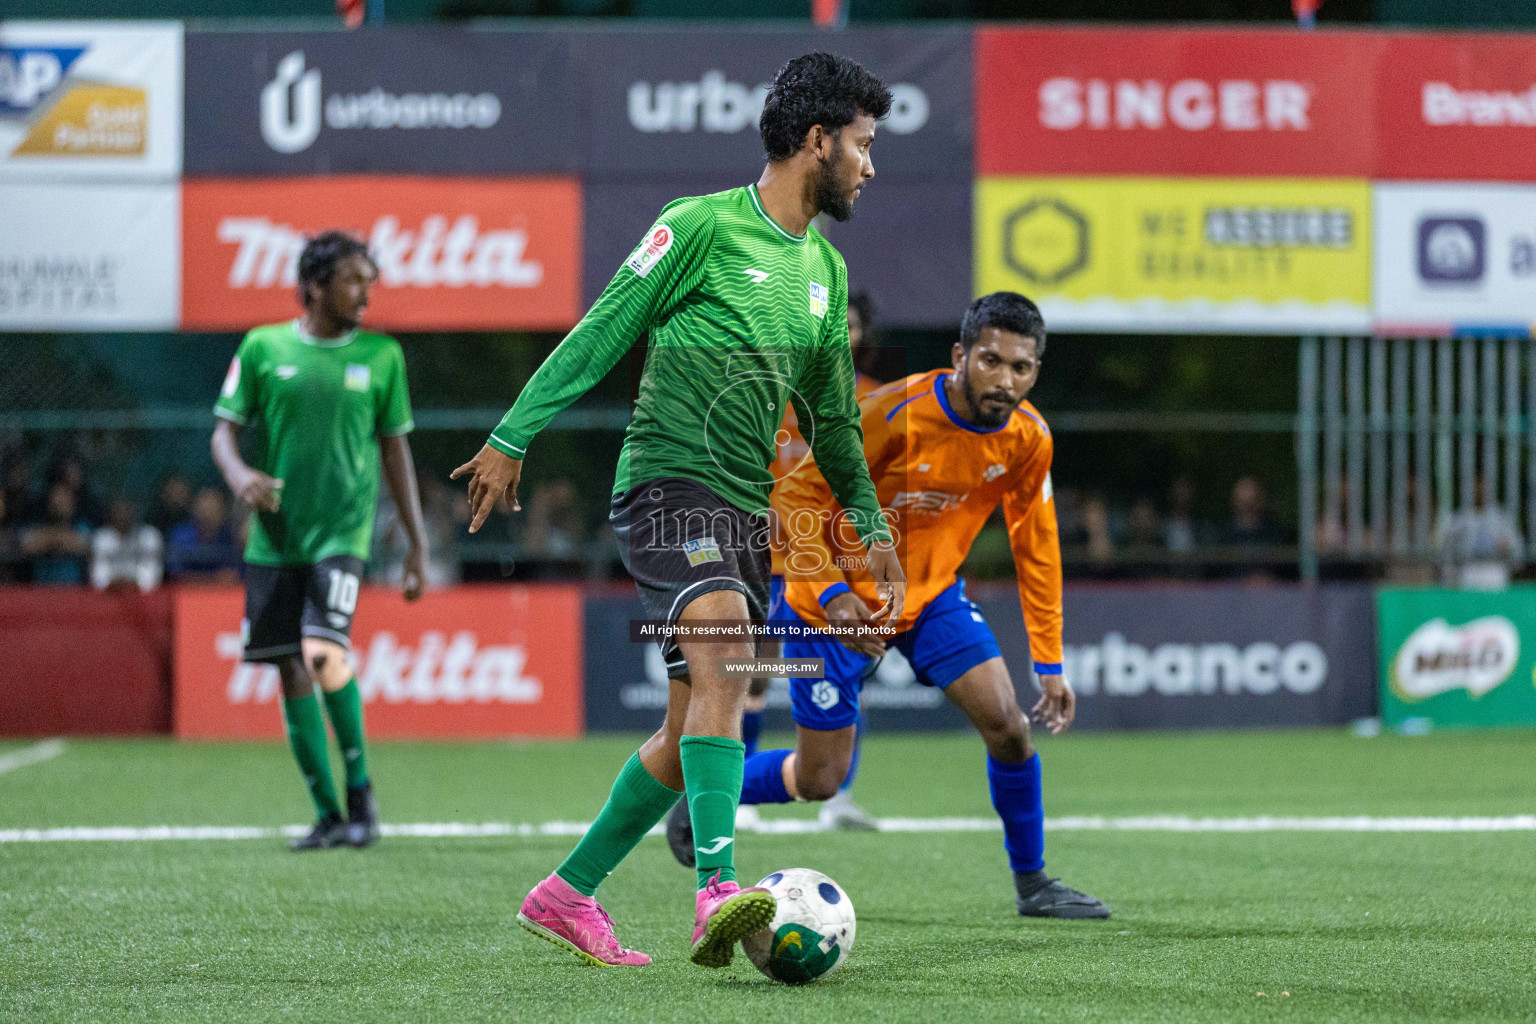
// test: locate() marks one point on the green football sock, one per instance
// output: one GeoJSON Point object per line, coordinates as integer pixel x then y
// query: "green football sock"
{"type": "Point", "coordinates": [638, 802]}
{"type": "Point", "coordinates": [345, 707]}
{"type": "Point", "coordinates": [712, 771]}
{"type": "Point", "coordinates": [306, 735]}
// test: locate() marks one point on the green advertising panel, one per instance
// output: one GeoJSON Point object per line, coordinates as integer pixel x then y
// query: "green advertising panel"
{"type": "Point", "coordinates": [1458, 657]}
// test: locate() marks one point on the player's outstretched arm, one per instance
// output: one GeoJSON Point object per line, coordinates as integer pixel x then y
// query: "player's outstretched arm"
{"type": "Point", "coordinates": [1029, 509]}
{"type": "Point", "coordinates": [251, 486]}
{"type": "Point", "coordinates": [400, 472]}
{"type": "Point", "coordinates": [492, 476]}
{"type": "Point", "coordinates": [891, 582]}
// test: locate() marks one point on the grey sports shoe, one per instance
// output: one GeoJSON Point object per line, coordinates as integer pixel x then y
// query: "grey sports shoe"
{"type": "Point", "coordinates": [328, 832]}
{"type": "Point", "coordinates": [841, 813]}
{"type": "Point", "coordinates": [1040, 896]}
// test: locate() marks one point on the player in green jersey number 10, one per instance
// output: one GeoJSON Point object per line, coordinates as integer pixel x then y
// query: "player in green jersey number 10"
{"type": "Point", "coordinates": [331, 399]}
{"type": "Point", "coordinates": [745, 304]}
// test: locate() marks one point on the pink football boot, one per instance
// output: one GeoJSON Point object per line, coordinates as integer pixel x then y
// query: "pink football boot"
{"type": "Point", "coordinates": [726, 913]}
{"type": "Point", "coordinates": [558, 913]}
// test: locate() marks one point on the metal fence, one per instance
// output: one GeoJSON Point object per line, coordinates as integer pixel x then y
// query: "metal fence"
{"type": "Point", "coordinates": [1394, 434]}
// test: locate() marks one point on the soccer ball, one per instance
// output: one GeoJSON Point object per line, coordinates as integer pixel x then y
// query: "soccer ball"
{"type": "Point", "coordinates": [812, 933]}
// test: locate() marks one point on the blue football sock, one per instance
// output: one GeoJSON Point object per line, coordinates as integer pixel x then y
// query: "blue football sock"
{"type": "Point", "coordinates": [1016, 795]}
{"type": "Point", "coordinates": [762, 780]}
{"type": "Point", "coordinates": [853, 762]}
{"type": "Point", "coordinates": [751, 729]}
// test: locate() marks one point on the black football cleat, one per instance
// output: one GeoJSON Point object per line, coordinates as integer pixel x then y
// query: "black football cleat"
{"type": "Point", "coordinates": [362, 816]}
{"type": "Point", "coordinates": [680, 834]}
{"type": "Point", "coordinates": [1040, 896]}
{"type": "Point", "coordinates": [328, 832]}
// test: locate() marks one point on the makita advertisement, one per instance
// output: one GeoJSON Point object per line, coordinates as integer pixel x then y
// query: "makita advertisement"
{"type": "Point", "coordinates": [908, 244]}
{"type": "Point", "coordinates": [472, 662]}
{"type": "Point", "coordinates": [665, 102]}
{"type": "Point", "coordinates": [403, 100]}
{"type": "Point", "coordinates": [453, 253]}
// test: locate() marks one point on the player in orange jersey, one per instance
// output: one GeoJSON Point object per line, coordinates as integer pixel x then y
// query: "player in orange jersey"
{"type": "Point", "coordinates": [945, 448]}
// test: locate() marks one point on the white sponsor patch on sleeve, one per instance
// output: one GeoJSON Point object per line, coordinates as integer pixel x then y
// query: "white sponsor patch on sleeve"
{"type": "Point", "coordinates": [231, 379]}
{"type": "Point", "coordinates": [1046, 490]}
{"type": "Point", "coordinates": [650, 251]}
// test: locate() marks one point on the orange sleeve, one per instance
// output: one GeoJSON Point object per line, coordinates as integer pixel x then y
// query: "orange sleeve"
{"type": "Point", "coordinates": [816, 553]}
{"type": "Point", "coordinates": [1030, 511]}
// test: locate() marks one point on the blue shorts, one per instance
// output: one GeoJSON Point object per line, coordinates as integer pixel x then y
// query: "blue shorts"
{"type": "Point", "coordinates": [949, 639]}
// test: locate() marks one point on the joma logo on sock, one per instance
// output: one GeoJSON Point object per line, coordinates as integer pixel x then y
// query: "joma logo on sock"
{"type": "Point", "coordinates": [720, 843]}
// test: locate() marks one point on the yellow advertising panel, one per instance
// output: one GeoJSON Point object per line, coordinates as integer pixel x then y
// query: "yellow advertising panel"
{"type": "Point", "coordinates": [1262, 255]}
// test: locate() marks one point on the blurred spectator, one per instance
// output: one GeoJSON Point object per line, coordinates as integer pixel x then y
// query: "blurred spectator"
{"type": "Point", "coordinates": [553, 528]}
{"type": "Point", "coordinates": [125, 553]}
{"type": "Point", "coordinates": [1480, 547]}
{"type": "Point", "coordinates": [1180, 533]}
{"type": "Point", "coordinates": [1096, 523]}
{"type": "Point", "coordinates": [1069, 517]}
{"type": "Point", "coordinates": [10, 542]}
{"type": "Point", "coordinates": [1251, 523]}
{"type": "Point", "coordinates": [445, 512]}
{"type": "Point", "coordinates": [57, 544]}
{"type": "Point", "coordinates": [172, 503]}
{"type": "Point", "coordinates": [1142, 529]}
{"type": "Point", "coordinates": [203, 549]}
{"type": "Point", "coordinates": [19, 500]}
{"type": "Point", "coordinates": [68, 468]}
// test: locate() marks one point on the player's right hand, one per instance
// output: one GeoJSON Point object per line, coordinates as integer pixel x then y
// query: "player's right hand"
{"type": "Point", "coordinates": [847, 609]}
{"type": "Point", "coordinates": [885, 567]}
{"type": "Point", "coordinates": [259, 490]}
{"type": "Point", "coordinates": [492, 477]}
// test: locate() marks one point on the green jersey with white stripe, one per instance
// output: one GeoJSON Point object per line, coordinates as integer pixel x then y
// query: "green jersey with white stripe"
{"type": "Point", "coordinates": [324, 402]}
{"type": "Point", "coordinates": [743, 317]}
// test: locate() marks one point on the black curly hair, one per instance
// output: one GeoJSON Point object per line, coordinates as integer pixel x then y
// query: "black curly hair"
{"type": "Point", "coordinates": [1009, 311]}
{"type": "Point", "coordinates": [818, 88]}
{"type": "Point", "coordinates": [321, 256]}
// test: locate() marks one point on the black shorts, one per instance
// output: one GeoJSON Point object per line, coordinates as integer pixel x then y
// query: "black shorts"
{"type": "Point", "coordinates": [285, 603]}
{"type": "Point", "coordinates": [680, 540]}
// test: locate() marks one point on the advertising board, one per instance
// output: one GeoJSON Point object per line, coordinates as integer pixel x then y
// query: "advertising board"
{"type": "Point", "coordinates": [466, 662]}
{"type": "Point", "coordinates": [1188, 254]}
{"type": "Point", "coordinates": [453, 253]}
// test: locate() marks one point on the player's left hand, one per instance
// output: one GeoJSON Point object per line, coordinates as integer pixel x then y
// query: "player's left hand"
{"type": "Point", "coordinates": [492, 476]}
{"type": "Point", "coordinates": [413, 579]}
{"type": "Point", "coordinates": [1057, 705]}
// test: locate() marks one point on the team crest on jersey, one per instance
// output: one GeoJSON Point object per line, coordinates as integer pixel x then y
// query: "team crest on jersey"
{"type": "Point", "coordinates": [702, 550]}
{"type": "Point", "coordinates": [818, 300]}
{"type": "Point", "coordinates": [358, 377]}
{"type": "Point", "coordinates": [994, 471]}
{"type": "Point", "coordinates": [649, 252]}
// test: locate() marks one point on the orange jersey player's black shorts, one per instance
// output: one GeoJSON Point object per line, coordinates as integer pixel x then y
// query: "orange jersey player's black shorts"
{"type": "Point", "coordinates": [680, 540]}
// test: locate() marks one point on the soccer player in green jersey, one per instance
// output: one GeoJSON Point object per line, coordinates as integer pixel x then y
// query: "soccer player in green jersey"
{"type": "Point", "coordinates": [746, 308]}
{"type": "Point", "coordinates": [331, 399]}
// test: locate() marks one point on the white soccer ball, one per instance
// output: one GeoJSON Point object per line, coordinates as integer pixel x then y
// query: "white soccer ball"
{"type": "Point", "coordinates": [812, 933]}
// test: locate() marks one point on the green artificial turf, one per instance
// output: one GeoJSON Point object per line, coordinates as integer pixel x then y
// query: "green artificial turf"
{"type": "Point", "coordinates": [1353, 926]}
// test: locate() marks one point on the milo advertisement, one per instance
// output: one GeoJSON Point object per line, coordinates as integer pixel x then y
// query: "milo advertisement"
{"type": "Point", "coordinates": [1460, 658]}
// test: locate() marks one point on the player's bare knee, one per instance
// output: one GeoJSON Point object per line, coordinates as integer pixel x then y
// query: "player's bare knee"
{"type": "Point", "coordinates": [1007, 738]}
{"type": "Point", "coordinates": [818, 781]}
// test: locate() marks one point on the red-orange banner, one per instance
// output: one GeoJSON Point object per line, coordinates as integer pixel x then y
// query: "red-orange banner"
{"type": "Point", "coordinates": [453, 253]}
{"type": "Point", "coordinates": [467, 662]}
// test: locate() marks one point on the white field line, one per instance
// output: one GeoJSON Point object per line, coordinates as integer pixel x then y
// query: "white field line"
{"type": "Point", "coordinates": [30, 755]}
{"type": "Point", "coordinates": [461, 830]}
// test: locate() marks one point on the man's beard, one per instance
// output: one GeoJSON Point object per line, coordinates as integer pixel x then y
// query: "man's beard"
{"type": "Point", "coordinates": [832, 198]}
{"type": "Point", "coordinates": [983, 417]}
